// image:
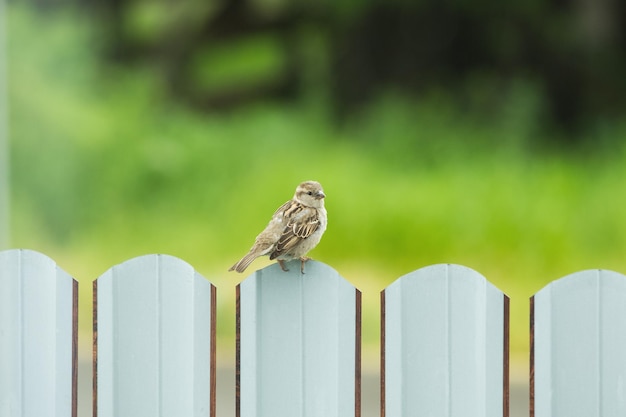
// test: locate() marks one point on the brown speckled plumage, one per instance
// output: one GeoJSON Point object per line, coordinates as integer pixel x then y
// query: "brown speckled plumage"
{"type": "Point", "coordinates": [295, 228]}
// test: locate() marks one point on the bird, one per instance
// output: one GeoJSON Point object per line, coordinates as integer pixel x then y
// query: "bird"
{"type": "Point", "coordinates": [295, 228]}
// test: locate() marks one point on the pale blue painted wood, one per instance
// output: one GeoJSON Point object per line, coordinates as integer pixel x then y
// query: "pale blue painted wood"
{"type": "Point", "coordinates": [154, 343]}
{"type": "Point", "coordinates": [36, 336]}
{"type": "Point", "coordinates": [444, 344]}
{"type": "Point", "coordinates": [580, 346]}
{"type": "Point", "coordinates": [298, 350]}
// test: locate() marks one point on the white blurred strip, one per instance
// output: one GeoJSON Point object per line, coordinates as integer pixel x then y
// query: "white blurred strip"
{"type": "Point", "coordinates": [4, 131]}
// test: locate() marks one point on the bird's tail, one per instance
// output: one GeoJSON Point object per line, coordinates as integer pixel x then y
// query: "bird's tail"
{"type": "Point", "coordinates": [244, 262]}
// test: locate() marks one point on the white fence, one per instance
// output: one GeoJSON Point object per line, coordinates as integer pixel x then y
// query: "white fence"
{"type": "Point", "coordinates": [444, 349]}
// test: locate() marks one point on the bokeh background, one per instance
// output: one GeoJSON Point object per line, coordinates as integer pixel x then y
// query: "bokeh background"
{"type": "Point", "coordinates": [482, 133]}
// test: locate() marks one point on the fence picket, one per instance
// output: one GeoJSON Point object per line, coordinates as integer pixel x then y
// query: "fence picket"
{"type": "Point", "coordinates": [578, 346]}
{"type": "Point", "coordinates": [298, 343]}
{"type": "Point", "coordinates": [154, 340]}
{"type": "Point", "coordinates": [38, 336]}
{"type": "Point", "coordinates": [444, 345]}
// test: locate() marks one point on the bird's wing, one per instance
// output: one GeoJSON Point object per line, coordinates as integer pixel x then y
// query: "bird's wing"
{"type": "Point", "coordinates": [302, 222]}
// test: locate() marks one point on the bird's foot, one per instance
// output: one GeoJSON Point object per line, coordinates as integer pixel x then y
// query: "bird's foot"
{"type": "Point", "coordinates": [303, 260]}
{"type": "Point", "coordinates": [282, 265]}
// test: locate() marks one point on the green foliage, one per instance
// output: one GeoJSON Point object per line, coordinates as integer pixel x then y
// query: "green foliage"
{"type": "Point", "coordinates": [105, 168]}
{"type": "Point", "coordinates": [236, 65]}
{"type": "Point", "coordinates": [152, 22]}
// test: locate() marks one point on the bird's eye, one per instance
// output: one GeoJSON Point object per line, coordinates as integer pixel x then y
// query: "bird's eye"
{"type": "Point", "coordinates": [310, 193]}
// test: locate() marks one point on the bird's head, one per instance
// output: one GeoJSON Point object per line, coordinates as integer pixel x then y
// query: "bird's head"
{"type": "Point", "coordinates": [310, 193]}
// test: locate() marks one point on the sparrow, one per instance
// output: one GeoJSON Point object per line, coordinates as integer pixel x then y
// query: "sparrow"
{"type": "Point", "coordinates": [295, 228]}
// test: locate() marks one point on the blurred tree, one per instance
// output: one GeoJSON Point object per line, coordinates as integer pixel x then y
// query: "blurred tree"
{"type": "Point", "coordinates": [573, 49]}
{"type": "Point", "coordinates": [221, 54]}
{"type": "Point", "coordinates": [186, 41]}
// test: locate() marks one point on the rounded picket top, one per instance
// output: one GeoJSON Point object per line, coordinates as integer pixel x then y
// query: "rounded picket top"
{"type": "Point", "coordinates": [583, 280]}
{"type": "Point", "coordinates": [298, 343]}
{"type": "Point", "coordinates": [578, 340]}
{"type": "Point", "coordinates": [31, 265]}
{"type": "Point", "coordinates": [444, 337]}
{"type": "Point", "coordinates": [154, 338]}
{"type": "Point", "coordinates": [38, 319]}
{"type": "Point", "coordinates": [159, 265]}
{"type": "Point", "coordinates": [436, 272]}
{"type": "Point", "coordinates": [312, 270]}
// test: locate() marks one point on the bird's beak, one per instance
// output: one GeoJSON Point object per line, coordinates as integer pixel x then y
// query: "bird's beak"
{"type": "Point", "coordinates": [320, 194]}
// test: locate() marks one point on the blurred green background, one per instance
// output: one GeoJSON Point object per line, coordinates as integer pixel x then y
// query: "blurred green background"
{"type": "Point", "coordinates": [473, 133]}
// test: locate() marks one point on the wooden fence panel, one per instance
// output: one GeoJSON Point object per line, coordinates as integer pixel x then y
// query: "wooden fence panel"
{"type": "Point", "coordinates": [444, 345]}
{"type": "Point", "coordinates": [298, 343]}
{"type": "Point", "coordinates": [578, 346]}
{"type": "Point", "coordinates": [444, 342]}
{"type": "Point", "coordinates": [38, 336]}
{"type": "Point", "coordinates": [154, 340]}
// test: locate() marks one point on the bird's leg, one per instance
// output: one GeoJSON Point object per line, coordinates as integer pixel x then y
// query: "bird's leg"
{"type": "Point", "coordinates": [303, 259]}
{"type": "Point", "coordinates": [282, 265]}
